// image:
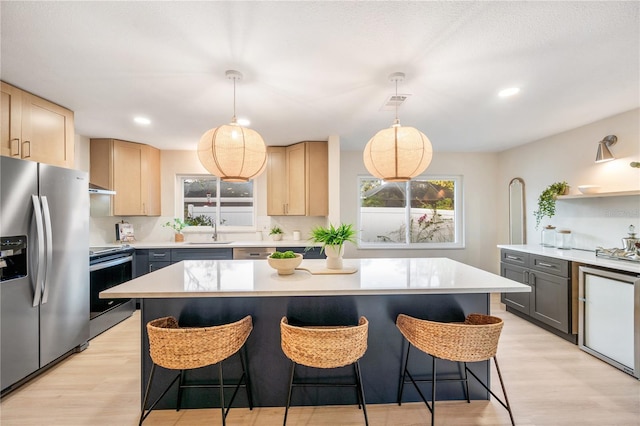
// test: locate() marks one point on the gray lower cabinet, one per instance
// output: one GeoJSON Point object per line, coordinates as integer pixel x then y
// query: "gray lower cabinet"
{"type": "Point", "coordinates": [549, 303]}
{"type": "Point", "coordinates": [149, 260]}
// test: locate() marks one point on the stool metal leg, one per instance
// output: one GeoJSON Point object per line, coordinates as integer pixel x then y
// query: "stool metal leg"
{"type": "Point", "coordinates": [504, 403]}
{"type": "Point", "coordinates": [433, 393]}
{"type": "Point", "coordinates": [146, 395]}
{"type": "Point", "coordinates": [224, 416]}
{"type": "Point", "coordinates": [466, 382]}
{"type": "Point", "coordinates": [144, 415]}
{"type": "Point", "coordinates": [286, 410]}
{"type": "Point", "coordinates": [360, 391]}
{"type": "Point", "coordinates": [180, 382]}
{"type": "Point", "coordinates": [404, 375]}
{"type": "Point", "coordinates": [245, 373]}
{"type": "Point", "coordinates": [504, 391]}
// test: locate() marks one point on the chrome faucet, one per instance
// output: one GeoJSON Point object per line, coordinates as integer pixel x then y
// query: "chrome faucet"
{"type": "Point", "coordinates": [215, 232]}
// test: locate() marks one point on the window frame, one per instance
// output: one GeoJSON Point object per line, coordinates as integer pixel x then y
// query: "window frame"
{"type": "Point", "coordinates": [459, 224]}
{"type": "Point", "coordinates": [218, 200]}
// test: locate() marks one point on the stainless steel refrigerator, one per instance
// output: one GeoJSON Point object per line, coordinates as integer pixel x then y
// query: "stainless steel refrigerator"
{"type": "Point", "coordinates": [44, 266]}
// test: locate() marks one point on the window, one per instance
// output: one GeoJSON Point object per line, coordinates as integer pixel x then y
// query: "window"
{"type": "Point", "coordinates": [422, 213]}
{"type": "Point", "coordinates": [208, 196]}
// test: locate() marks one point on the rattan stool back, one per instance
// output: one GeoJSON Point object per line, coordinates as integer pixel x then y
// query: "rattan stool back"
{"type": "Point", "coordinates": [324, 347]}
{"type": "Point", "coordinates": [182, 348]}
{"type": "Point", "coordinates": [476, 339]}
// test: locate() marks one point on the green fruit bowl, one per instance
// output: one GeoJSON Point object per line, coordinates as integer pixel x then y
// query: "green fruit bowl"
{"type": "Point", "coordinates": [285, 266]}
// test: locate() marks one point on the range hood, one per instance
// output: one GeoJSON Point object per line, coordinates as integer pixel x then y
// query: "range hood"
{"type": "Point", "coordinates": [100, 200]}
{"type": "Point", "coordinates": [97, 190]}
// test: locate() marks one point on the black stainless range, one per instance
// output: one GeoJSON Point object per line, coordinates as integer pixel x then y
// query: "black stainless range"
{"type": "Point", "coordinates": [108, 267]}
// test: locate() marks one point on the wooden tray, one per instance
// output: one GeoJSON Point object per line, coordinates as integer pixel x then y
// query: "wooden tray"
{"type": "Point", "coordinates": [325, 271]}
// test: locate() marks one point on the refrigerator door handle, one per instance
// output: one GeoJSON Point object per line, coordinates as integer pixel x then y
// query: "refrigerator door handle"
{"type": "Point", "coordinates": [49, 248]}
{"type": "Point", "coordinates": [37, 213]}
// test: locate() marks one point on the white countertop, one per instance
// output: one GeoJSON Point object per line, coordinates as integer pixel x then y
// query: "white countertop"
{"type": "Point", "coordinates": [221, 244]}
{"type": "Point", "coordinates": [581, 256]}
{"type": "Point", "coordinates": [255, 278]}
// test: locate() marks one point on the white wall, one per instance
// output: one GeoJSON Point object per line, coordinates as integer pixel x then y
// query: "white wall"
{"type": "Point", "coordinates": [479, 173]}
{"type": "Point", "coordinates": [570, 156]}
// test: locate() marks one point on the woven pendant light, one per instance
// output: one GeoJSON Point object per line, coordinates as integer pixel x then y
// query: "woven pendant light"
{"type": "Point", "coordinates": [232, 152]}
{"type": "Point", "coordinates": [397, 154]}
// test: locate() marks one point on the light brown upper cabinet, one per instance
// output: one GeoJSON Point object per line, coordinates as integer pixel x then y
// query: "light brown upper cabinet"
{"type": "Point", "coordinates": [297, 180]}
{"type": "Point", "coordinates": [130, 169]}
{"type": "Point", "coordinates": [35, 129]}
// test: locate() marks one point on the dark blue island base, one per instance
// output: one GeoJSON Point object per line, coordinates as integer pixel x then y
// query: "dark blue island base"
{"type": "Point", "coordinates": [269, 368]}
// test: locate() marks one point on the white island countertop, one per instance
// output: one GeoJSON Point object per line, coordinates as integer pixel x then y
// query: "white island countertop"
{"type": "Point", "coordinates": [255, 278]}
{"type": "Point", "coordinates": [580, 256]}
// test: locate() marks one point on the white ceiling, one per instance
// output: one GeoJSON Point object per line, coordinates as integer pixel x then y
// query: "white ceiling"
{"type": "Point", "coordinates": [314, 69]}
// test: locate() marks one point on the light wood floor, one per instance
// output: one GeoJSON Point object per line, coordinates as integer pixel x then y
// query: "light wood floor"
{"type": "Point", "coordinates": [549, 382]}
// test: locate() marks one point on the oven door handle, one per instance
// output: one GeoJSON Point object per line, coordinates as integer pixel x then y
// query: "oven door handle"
{"type": "Point", "coordinates": [109, 264]}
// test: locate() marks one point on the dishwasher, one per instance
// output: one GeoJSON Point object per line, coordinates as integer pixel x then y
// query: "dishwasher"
{"type": "Point", "coordinates": [609, 317]}
{"type": "Point", "coordinates": [253, 252]}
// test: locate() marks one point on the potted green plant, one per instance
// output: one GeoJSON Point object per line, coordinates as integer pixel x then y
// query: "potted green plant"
{"type": "Point", "coordinates": [177, 225]}
{"type": "Point", "coordinates": [547, 200]}
{"type": "Point", "coordinates": [332, 240]}
{"type": "Point", "coordinates": [276, 233]}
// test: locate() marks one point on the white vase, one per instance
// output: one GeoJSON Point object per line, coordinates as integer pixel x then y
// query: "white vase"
{"type": "Point", "coordinates": [334, 256]}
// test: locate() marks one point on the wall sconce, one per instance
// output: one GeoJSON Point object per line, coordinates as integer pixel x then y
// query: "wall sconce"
{"type": "Point", "coordinates": [603, 153]}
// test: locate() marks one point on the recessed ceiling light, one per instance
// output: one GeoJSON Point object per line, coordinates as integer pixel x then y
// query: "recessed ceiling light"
{"type": "Point", "coordinates": [505, 93]}
{"type": "Point", "coordinates": [142, 121]}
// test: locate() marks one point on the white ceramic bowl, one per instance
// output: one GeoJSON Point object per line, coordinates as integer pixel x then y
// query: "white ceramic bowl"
{"type": "Point", "coordinates": [285, 266]}
{"type": "Point", "coordinates": [589, 189]}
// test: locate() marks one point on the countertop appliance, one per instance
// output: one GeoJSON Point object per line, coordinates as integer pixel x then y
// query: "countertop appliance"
{"type": "Point", "coordinates": [44, 287]}
{"type": "Point", "coordinates": [108, 267]}
{"type": "Point", "coordinates": [609, 317]}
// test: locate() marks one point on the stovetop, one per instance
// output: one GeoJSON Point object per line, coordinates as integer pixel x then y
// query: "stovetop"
{"type": "Point", "coordinates": [617, 254]}
{"type": "Point", "coordinates": [101, 251]}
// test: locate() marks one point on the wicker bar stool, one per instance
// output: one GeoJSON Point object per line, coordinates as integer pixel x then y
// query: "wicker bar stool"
{"type": "Point", "coordinates": [181, 348]}
{"type": "Point", "coordinates": [325, 347]}
{"type": "Point", "coordinates": [476, 339]}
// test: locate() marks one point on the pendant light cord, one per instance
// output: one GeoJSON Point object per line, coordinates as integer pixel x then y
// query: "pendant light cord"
{"type": "Point", "coordinates": [233, 120]}
{"type": "Point", "coordinates": [396, 122]}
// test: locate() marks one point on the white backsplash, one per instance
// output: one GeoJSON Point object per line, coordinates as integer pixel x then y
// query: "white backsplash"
{"type": "Point", "coordinates": [595, 222]}
{"type": "Point", "coordinates": [150, 229]}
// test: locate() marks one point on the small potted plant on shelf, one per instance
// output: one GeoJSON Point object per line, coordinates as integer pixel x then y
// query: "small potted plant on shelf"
{"type": "Point", "coordinates": [332, 240]}
{"type": "Point", "coordinates": [276, 233]}
{"type": "Point", "coordinates": [547, 200]}
{"type": "Point", "coordinates": [177, 225]}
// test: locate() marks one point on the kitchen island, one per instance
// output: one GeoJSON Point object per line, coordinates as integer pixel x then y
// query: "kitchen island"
{"type": "Point", "coordinates": [214, 292]}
